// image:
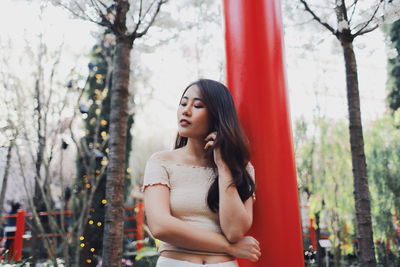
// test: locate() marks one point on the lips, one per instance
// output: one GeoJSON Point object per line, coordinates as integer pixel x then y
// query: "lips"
{"type": "Point", "coordinates": [184, 121]}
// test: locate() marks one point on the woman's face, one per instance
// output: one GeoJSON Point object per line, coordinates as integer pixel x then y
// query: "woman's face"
{"type": "Point", "coordinates": [194, 114]}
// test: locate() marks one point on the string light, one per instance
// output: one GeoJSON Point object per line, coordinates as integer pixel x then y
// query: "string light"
{"type": "Point", "coordinates": [128, 170]}
{"type": "Point", "coordinates": [81, 238]}
{"type": "Point", "coordinates": [91, 222]}
{"type": "Point", "coordinates": [92, 249]}
{"type": "Point", "coordinates": [103, 122]}
{"type": "Point", "coordinates": [105, 92]}
{"type": "Point", "coordinates": [103, 133]}
{"type": "Point", "coordinates": [82, 245]}
{"type": "Point", "coordinates": [99, 224]}
{"type": "Point", "coordinates": [104, 201]}
{"type": "Point", "coordinates": [88, 260]}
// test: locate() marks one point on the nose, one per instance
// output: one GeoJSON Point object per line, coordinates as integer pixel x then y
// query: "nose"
{"type": "Point", "coordinates": [186, 111]}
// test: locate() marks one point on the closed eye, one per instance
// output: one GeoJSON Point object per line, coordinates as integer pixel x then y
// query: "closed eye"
{"type": "Point", "coordinates": [184, 105]}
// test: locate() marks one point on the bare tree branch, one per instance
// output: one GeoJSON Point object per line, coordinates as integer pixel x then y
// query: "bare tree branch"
{"type": "Point", "coordinates": [148, 10]}
{"type": "Point", "coordinates": [104, 20]}
{"type": "Point", "coordinates": [344, 8]}
{"type": "Point", "coordinates": [35, 214]}
{"type": "Point", "coordinates": [369, 30]}
{"type": "Point", "coordinates": [140, 34]}
{"type": "Point", "coordinates": [361, 30]}
{"type": "Point", "coordinates": [140, 16]}
{"type": "Point", "coordinates": [83, 15]}
{"type": "Point", "coordinates": [326, 25]}
{"type": "Point", "coordinates": [354, 5]}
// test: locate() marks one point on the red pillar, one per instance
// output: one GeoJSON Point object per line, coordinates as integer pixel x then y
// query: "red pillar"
{"type": "Point", "coordinates": [18, 241]}
{"type": "Point", "coordinates": [256, 78]}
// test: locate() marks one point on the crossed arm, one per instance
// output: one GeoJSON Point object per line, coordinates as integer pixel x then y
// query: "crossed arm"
{"type": "Point", "coordinates": [170, 229]}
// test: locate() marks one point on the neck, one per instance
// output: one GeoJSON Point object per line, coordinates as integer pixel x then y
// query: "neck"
{"type": "Point", "coordinates": [195, 149]}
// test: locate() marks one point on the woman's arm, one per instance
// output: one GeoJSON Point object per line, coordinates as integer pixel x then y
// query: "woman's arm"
{"type": "Point", "coordinates": [235, 216]}
{"type": "Point", "coordinates": [179, 233]}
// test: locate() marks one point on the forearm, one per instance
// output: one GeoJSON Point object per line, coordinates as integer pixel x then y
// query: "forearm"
{"type": "Point", "coordinates": [182, 234]}
{"type": "Point", "coordinates": [234, 218]}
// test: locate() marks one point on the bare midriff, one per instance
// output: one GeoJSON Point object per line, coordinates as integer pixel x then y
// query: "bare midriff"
{"type": "Point", "coordinates": [197, 258]}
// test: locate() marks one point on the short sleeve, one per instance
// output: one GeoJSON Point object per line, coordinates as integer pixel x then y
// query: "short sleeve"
{"type": "Point", "coordinates": [251, 171]}
{"type": "Point", "coordinates": [155, 173]}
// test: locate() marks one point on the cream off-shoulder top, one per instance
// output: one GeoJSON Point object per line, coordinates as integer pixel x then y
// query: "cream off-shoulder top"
{"type": "Point", "coordinates": [189, 187]}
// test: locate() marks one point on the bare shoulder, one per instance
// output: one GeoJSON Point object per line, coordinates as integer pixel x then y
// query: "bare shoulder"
{"type": "Point", "coordinates": [168, 155]}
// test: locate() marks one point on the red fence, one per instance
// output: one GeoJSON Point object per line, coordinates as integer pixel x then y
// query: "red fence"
{"type": "Point", "coordinates": [15, 251]}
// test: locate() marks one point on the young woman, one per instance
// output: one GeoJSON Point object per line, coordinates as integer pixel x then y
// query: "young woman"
{"type": "Point", "coordinates": [199, 196]}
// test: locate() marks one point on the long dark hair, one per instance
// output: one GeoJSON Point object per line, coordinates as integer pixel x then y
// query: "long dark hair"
{"type": "Point", "coordinates": [234, 145]}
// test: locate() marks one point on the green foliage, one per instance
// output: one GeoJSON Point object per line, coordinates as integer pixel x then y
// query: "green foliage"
{"type": "Point", "coordinates": [150, 261]}
{"type": "Point", "coordinates": [325, 177]}
{"type": "Point", "coordinates": [383, 158]}
{"type": "Point", "coordinates": [393, 82]}
{"type": "Point", "coordinates": [324, 171]}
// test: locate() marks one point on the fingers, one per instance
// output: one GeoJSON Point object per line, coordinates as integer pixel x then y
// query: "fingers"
{"type": "Point", "coordinates": [212, 136]}
{"type": "Point", "coordinates": [255, 240]}
{"type": "Point", "coordinates": [209, 144]}
{"type": "Point", "coordinates": [256, 250]}
{"type": "Point", "coordinates": [255, 255]}
{"type": "Point", "coordinates": [210, 139]}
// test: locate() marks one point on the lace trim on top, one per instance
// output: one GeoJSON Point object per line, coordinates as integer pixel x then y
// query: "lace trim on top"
{"type": "Point", "coordinates": [151, 184]}
{"type": "Point", "coordinates": [184, 164]}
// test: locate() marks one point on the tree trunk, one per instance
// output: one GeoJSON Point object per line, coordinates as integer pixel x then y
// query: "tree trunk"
{"type": "Point", "coordinates": [36, 248]}
{"type": "Point", "coordinates": [113, 227]}
{"type": "Point", "coordinates": [5, 180]}
{"type": "Point", "coordinates": [365, 246]}
{"type": "Point", "coordinates": [319, 249]}
{"type": "Point", "coordinates": [337, 252]}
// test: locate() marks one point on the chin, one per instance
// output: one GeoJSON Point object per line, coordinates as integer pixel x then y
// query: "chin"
{"type": "Point", "coordinates": [182, 133]}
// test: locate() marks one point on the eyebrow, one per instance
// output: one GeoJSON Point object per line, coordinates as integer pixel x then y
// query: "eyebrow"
{"type": "Point", "coordinates": [196, 98]}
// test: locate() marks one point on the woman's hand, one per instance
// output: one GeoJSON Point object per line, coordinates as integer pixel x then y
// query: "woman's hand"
{"type": "Point", "coordinates": [210, 140]}
{"type": "Point", "coordinates": [247, 247]}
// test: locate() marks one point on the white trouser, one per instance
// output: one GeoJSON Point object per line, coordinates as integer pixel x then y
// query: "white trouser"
{"type": "Point", "coordinates": [168, 262]}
